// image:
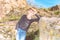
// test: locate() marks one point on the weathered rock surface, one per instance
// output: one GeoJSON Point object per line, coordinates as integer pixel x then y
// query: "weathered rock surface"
{"type": "Point", "coordinates": [49, 28]}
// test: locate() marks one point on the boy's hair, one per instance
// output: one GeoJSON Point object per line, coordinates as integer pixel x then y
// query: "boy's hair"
{"type": "Point", "coordinates": [33, 9]}
{"type": "Point", "coordinates": [30, 8]}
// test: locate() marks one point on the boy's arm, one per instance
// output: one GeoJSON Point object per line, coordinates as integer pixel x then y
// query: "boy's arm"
{"type": "Point", "coordinates": [36, 19]}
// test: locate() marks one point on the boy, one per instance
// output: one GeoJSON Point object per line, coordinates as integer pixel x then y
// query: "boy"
{"type": "Point", "coordinates": [24, 23]}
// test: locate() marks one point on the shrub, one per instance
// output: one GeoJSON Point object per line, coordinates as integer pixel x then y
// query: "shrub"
{"type": "Point", "coordinates": [57, 12]}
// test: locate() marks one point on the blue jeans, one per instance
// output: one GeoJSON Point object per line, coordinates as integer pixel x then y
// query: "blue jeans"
{"type": "Point", "coordinates": [21, 34]}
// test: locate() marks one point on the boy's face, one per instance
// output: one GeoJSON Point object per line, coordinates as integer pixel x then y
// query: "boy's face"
{"type": "Point", "coordinates": [31, 12]}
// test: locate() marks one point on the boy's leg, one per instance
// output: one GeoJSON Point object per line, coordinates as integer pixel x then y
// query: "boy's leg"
{"type": "Point", "coordinates": [21, 34]}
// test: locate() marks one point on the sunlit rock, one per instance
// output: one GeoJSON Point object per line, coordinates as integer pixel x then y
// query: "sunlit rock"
{"type": "Point", "coordinates": [49, 28]}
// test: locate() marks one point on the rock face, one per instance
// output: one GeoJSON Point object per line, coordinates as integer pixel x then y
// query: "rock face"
{"type": "Point", "coordinates": [7, 5]}
{"type": "Point", "coordinates": [57, 7]}
{"type": "Point", "coordinates": [49, 28]}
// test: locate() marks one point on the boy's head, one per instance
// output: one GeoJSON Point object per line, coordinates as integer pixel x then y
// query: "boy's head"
{"type": "Point", "coordinates": [31, 11]}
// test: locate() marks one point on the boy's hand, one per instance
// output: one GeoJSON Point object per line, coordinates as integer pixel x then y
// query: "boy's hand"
{"type": "Point", "coordinates": [35, 12]}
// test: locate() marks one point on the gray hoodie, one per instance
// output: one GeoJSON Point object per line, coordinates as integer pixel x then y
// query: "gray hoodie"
{"type": "Point", "coordinates": [24, 23]}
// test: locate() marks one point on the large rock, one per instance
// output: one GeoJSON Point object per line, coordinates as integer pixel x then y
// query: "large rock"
{"type": "Point", "coordinates": [49, 28]}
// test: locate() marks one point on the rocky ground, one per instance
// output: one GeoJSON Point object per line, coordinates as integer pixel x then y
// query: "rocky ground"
{"type": "Point", "coordinates": [7, 30]}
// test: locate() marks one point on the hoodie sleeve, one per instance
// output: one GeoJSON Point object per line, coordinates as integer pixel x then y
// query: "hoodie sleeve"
{"type": "Point", "coordinates": [36, 19]}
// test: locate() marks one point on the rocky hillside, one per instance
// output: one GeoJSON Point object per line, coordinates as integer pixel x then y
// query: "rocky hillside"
{"type": "Point", "coordinates": [12, 10]}
{"type": "Point", "coordinates": [6, 6]}
{"type": "Point", "coordinates": [57, 7]}
{"type": "Point", "coordinates": [17, 6]}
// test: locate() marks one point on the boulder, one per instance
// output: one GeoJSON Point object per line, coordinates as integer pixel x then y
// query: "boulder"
{"type": "Point", "coordinates": [49, 28]}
